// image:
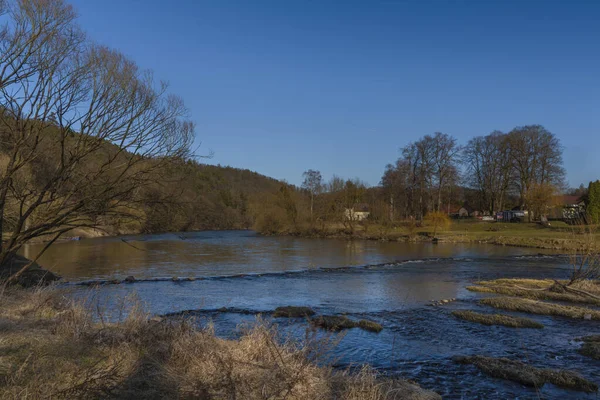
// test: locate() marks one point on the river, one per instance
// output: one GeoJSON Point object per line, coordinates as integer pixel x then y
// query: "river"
{"type": "Point", "coordinates": [391, 283]}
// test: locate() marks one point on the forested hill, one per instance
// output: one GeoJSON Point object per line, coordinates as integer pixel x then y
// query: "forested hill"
{"type": "Point", "coordinates": [116, 191]}
{"type": "Point", "coordinates": [196, 196]}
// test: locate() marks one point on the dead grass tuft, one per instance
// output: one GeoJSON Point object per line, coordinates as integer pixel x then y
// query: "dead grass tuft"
{"type": "Point", "coordinates": [51, 347]}
{"type": "Point", "coordinates": [338, 323]}
{"type": "Point", "coordinates": [533, 289]}
{"type": "Point", "coordinates": [367, 385]}
{"type": "Point", "coordinates": [293, 312]}
{"type": "Point", "coordinates": [540, 307]}
{"type": "Point", "coordinates": [527, 375]}
{"type": "Point", "coordinates": [590, 349]}
{"type": "Point", "coordinates": [497, 319]}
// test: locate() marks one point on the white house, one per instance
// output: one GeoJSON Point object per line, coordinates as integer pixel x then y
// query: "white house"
{"type": "Point", "coordinates": [359, 212]}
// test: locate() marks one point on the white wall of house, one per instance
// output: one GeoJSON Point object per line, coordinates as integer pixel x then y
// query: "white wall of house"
{"type": "Point", "coordinates": [352, 215]}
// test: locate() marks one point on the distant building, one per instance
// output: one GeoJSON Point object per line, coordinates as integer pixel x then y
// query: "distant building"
{"type": "Point", "coordinates": [359, 212]}
{"type": "Point", "coordinates": [467, 211]}
{"type": "Point", "coordinates": [567, 208]}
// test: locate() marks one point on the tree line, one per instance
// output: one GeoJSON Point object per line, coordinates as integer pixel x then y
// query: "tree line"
{"type": "Point", "coordinates": [434, 175]}
{"type": "Point", "coordinates": [522, 168]}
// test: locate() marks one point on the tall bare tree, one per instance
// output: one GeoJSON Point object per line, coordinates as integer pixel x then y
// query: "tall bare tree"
{"type": "Point", "coordinates": [82, 128]}
{"type": "Point", "coordinates": [536, 154]}
{"type": "Point", "coordinates": [489, 169]}
{"type": "Point", "coordinates": [444, 160]}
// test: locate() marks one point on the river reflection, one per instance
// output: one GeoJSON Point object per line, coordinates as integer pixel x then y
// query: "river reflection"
{"type": "Point", "coordinates": [234, 252]}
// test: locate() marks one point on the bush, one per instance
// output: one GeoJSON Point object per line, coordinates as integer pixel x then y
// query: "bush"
{"type": "Point", "coordinates": [438, 220]}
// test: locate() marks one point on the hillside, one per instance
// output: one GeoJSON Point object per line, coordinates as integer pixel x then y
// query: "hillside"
{"type": "Point", "coordinates": [196, 196]}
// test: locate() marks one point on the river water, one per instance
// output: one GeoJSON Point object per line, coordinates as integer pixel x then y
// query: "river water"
{"type": "Point", "coordinates": [391, 283]}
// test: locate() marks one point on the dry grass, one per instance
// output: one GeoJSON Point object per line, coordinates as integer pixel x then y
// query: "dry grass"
{"type": "Point", "coordinates": [527, 375]}
{"type": "Point", "coordinates": [293, 312]}
{"type": "Point", "coordinates": [530, 288]}
{"type": "Point", "coordinates": [497, 319]}
{"type": "Point", "coordinates": [590, 347]}
{"type": "Point", "coordinates": [540, 307]}
{"type": "Point", "coordinates": [338, 323]}
{"type": "Point", "coordinates": [50, 347]}
{"type": "Point", "coordinates": [370, 326]}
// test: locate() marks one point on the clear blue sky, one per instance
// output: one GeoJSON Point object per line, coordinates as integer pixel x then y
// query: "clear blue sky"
{"type": "Point", "coordinates": [283, 86]}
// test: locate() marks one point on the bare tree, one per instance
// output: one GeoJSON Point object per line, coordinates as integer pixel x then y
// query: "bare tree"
{"type": "Point", "coordinates": [444, 161]}
{"type": "Point", "coordinates": [82, 128]}
{"type": "Point", "coordinates": [489, 169]}
{"type": "Point", "coordinates": [537, 158]}
{"type": "Point", "coordinates": [313, 183]}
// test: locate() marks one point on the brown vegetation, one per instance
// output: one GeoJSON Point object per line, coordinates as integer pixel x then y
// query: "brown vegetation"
{"type": "Point", "coordinates": [590, 347]}
{"type": "Point", "coordinates": [497, 319]}
{"type": "Point", "coordinates": [52, 348]}
{"type": "Point", "coordinates": [293, 312]}
{"type": "Point", "coordinates": [540, 307]}
{"type": "Point", "coordinates": [527, 375]}
{"type": "Point", "coordinates": [534, 289]}
{"type": "Point", "coordinates": [338, 323]}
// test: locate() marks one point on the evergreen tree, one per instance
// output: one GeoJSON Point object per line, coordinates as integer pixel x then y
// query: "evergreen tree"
{"type": "Point", "coordinates": [593, 205]}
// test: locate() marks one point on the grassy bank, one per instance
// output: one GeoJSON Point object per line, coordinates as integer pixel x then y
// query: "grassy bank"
{"type": "Point", "coordinates": [497, 319]}
{"type": "Point", "coordinates": [53, 347]}
{"type": "Point", "coordinates": [535, 289]}
{"type": "Point", "coordinates": [528, 375]}
{"type": "Point", "coordinates": [540, 307]}
{"type": "Point", "coordinates": [558, 236]}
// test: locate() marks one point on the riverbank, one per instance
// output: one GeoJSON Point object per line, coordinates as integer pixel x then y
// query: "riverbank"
{"type": "Point", "coordinates": [558, 236]}
{"type": "Point", "coordinates": [53, 346]}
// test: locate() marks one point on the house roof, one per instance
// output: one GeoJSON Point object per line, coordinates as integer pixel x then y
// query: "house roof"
{"type": "Point", "coordinates": [468, 208]}
{"type": "Point", "coordinates": [567, 200]}
{"type": "Point", "coordinates": [454, 209]}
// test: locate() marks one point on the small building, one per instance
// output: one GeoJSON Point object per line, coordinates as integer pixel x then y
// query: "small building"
{"type": "Point", "coordinates": [467, 211]}
{"type": "Point", "coordinates": [359, 212]}
{"type": "Point", "coordinates": [568, 208]}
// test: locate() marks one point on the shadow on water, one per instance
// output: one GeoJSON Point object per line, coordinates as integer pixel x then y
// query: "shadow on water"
{"type": "Point", "coordinates": [249, 274]}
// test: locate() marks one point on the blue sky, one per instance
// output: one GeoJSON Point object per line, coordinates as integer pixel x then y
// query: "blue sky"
{"type": "Point", "coordinates": [283, 86]}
